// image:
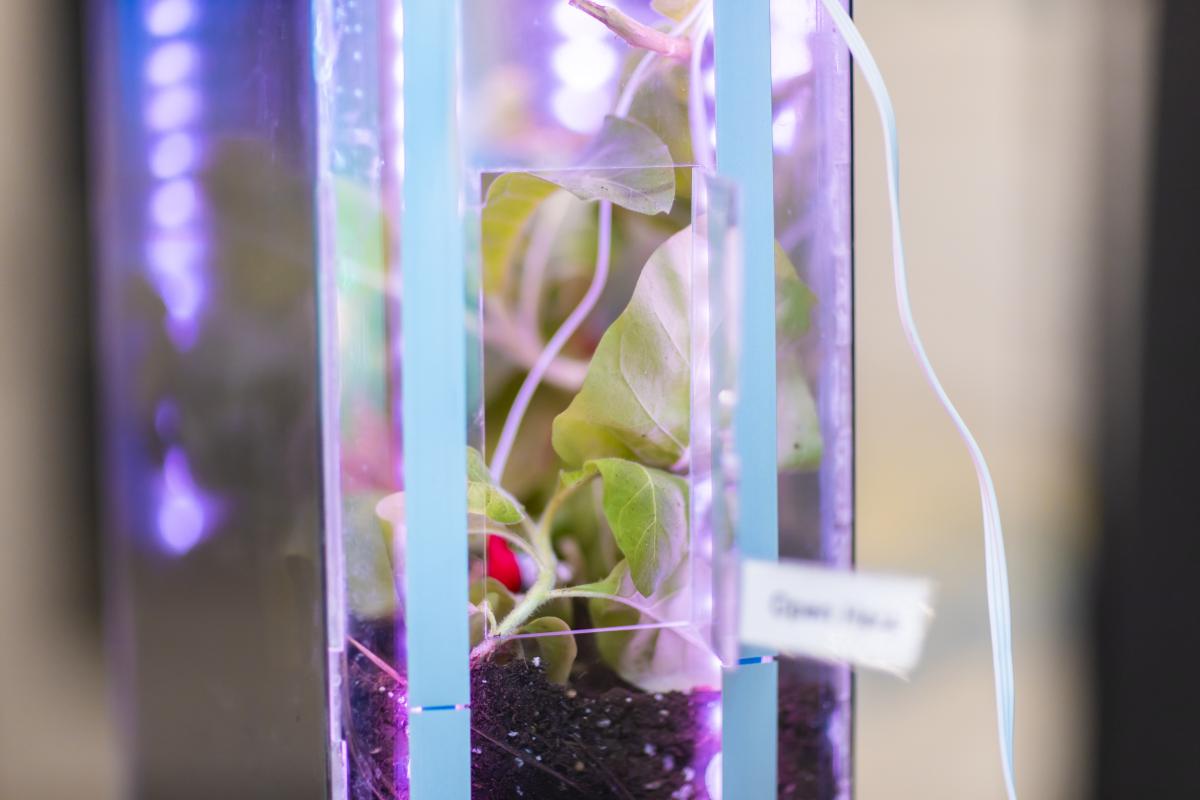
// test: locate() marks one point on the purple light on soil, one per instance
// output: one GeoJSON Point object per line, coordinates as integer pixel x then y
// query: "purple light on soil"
{"type": "Point", "coordinates": [174, 203]}
{"type": "Point", "coordinates": [172, 108]}
{"type": "Point", "coordinates": [169, 17]}
{"type": "Point", "coordinates": [171, 63]}
{"type": "Point", "coordinates": [173, 156]}
{"type": "Point", "coordinates": [181, 513]}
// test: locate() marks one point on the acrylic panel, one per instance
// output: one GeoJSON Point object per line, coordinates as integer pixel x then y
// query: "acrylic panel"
{"type": "Point", "coordinates": [811, 75]}
{"type": "Point", "coordinates": [203, 172]}
{"type": "Point", "coordinates": [595, 663]}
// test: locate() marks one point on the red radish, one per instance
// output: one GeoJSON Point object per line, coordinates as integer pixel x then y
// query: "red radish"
{"type": "Point", "coordinates": [502, 564]}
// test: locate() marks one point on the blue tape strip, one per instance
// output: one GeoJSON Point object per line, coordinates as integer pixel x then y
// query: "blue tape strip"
{"type": "Point", "coordinates": [999, 612]}
{"type": "Point", "coordinates": [742, 41]}
{"type": "Point", "coordinates": [434, 404]}
{"type": "Point", "coordinates": [439, 743]}
{"type": "Point", "coordinates": [749, 709]}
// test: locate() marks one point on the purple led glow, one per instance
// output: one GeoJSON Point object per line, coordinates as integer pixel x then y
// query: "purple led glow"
{"type": "Point", "coordinates": [166, 419]}
{"type": "Point", "coordinates": [174, 155]}
{"type": "Point", "coordinates": [172, 254]}
{"type": "Point", "coordinates": [172, 108]}
{"type": "Point", "coordinates": [182, 294]}
{"type": "Point", "coordinates": [181, 510]}
{"type": "Point", "coordinates": [174, 203]}
{"type": "Point", "coordinates": [584, 64]}
{"type": "Point", "coordinates": [574, 24]}
{"type": "Point", "coordinates": [171, 63]}
{"type": "Point", "coordinates": [582, 112]}
{"type": "Point", "coordinates": [169, 17]}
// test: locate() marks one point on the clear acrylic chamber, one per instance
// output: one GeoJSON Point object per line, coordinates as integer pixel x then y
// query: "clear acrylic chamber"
{"type": "Point", "coordinates": [256, 206]}
{"type": "Point", "coordinates": [600, 372]}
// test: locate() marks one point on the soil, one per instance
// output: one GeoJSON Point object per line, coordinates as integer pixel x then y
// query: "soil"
{"type": "Point", "coordinates": [807, 756]}
{"type": "Point", "coordinates": [535, 739]}
{"type": "Point", "coordinates": [598, 739]}
{"type": "Point", "coordinates": [377, 728]}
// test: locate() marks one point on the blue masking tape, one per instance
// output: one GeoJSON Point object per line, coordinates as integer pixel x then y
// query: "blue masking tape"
{"type": "Point", "coordinates": [434, 405]}
{"type": "Point", "coordinates": [745, 154]}
{"type": "Point", "coordinates": [999, 613]}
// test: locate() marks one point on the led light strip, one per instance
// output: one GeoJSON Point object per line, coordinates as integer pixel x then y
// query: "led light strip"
{"type": "Point", "coordinates": [174, 250]}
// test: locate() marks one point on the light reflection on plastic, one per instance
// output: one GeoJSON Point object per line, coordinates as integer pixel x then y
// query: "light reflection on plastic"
{"type": "Point", "coordinates": [174, 155]}
{"type": "Point", "coordinates": [173, 108]}
{"type": "Point", "coordinates": [576, 25]}
{"type": "Point", "coordinates": [171, 63]}
{"type": "Point", "coordinates": [783, 131]}
{"type": "Point", "coordinates": [174, 203]}
{"type": "Point", "coordinates": [584, 65]}
{"type": "Point", "coordinates": [169, 17]}
{"type": "Point", "coordinates": [580, 111]}
{"type": "Point", "coordinates": [174, 253]}
{"type": "Point", "coordinates": [398, 91]}
{"type": "Point", "coordinates": [181, 508]}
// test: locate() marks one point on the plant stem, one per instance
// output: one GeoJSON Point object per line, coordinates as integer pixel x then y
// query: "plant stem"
{"type": "Point", "coordinates": [634, 32]}
{"type": "Point", "coordinates": [684, 633]}
{"type": "Point", "coordinates": [508, 434]}
{"type": "Point", "coordinates": [543, 587]}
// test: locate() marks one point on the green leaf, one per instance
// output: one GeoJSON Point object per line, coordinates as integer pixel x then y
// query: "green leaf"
{"type": "Point", "coordinates": [614, 584]}
{"type": "Point", "coordinates": [635, 398]}
{"type": "Point", "coordinates": [557, 649]}
{"type": "Point", "coordinates": [674, 9]}
{"type": "Point", "coordinates": [495, 594]}
{"type": "Point", "coordinates": [511, 200]}
{"type": "Point", "coordinates": [793, 300]}
{"type": "Point", "coordinates": [485, 498]}
{"type": "Point", "coordinates": [798, 426]}
{"type": "Point", "coordinates": [367, 543]}
{"type": "Point", "coordinates": [646, 509]}
{"type": "Point", "coordinates": [626, 164]}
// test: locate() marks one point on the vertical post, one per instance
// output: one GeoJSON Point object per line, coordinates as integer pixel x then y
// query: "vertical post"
{"type": "Point", "coordinates": [434, 403]}
{"type": "Point", "coordinates": [742, 36]}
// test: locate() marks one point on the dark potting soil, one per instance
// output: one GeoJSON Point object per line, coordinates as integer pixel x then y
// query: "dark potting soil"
{"type": "Point", "coordinates": [807, 756]}
{"type": "Point", "coordinates": [531, 738]}
{"type": "Point", "coordinates": [377, 728]}
{"type": "Point", "coordinates": [602, 739]}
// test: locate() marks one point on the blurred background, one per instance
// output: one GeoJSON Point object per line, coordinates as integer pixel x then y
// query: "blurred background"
{"type": "Point", "coordinates": [1049, 188]}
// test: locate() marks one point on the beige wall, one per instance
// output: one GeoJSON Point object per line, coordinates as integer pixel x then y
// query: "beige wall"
{"type": "Point", "coordinates": [1000, 106]}
{"type": "Point", "coordinates": [54, 739]}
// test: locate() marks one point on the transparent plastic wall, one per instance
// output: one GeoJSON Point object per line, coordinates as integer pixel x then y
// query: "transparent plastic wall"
{"type": "Point", "coordinates": [203, 167]}
{"type": "Point", "coordinates": [811, 94]}
{"type": "Point", "coordinates": [602, 287]}
{"type": "Point", "coordinates": [250, 165]}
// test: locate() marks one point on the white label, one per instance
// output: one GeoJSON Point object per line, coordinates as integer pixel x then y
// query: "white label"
{"type": "Point", "coordinates": [876, 621]}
